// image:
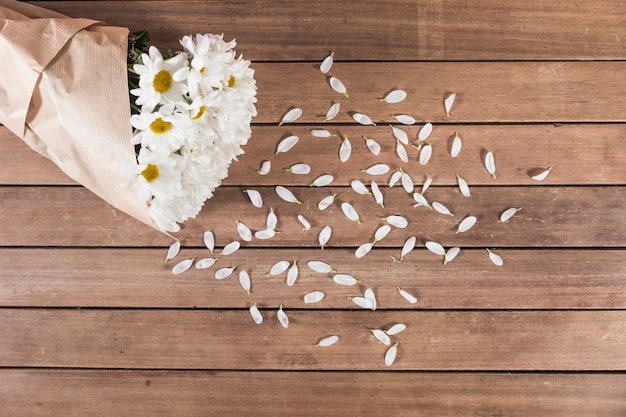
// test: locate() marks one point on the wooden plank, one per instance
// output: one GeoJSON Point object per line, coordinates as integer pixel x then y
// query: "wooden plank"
{"type": "Point", "coordinates": [551, 216]}
{"type": "Point", "coordinates": [229, 339]}
{"type": "Point", "coordinates": [379, 29]}
{"type": "Point", "coordinates": [568, 279]}
{"type": "Point", "coordinates": [35, 393]}
{"type": "Point", "coordinates": [580, 154]}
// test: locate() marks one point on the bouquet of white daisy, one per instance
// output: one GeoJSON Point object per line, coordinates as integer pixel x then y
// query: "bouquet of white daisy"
{"type": "Point", "coordinates": [191, 110]}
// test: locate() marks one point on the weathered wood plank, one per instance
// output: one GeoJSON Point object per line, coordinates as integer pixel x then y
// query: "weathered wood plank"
{"type": "Point", "coordinates": [554, 279]}
{"type": "Point", "coordinates": [229, 339]}
{"type": "Point", "coordinates": [36, 393]}
{"type": "Point", "coordinates": [379, 29]}
{"type": "Point", "coordinates": [551, 216]}
{"type": "Point", "coordinates": [580, 154]}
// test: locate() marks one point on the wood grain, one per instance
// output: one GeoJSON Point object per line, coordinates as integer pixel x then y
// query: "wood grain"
{"type": "Point", "coordinates": [35, 393]}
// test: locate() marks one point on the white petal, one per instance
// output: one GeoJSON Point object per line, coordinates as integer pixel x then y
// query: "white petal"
{"type": "Point", "coordinates": [255, 198]}
{"type": "Point", "coordinates": [401, 152]}
{"type": "Point", "coordinates": [490, 164]}
{"type": "Point", "coordinates": [172, 251]}
{"type": "Point", "coordinates": [542, 176]}
{"type": "Point", "coordinates": [321, 267]}
{"type": "Point", "coordinates": [345, 279]}
{"type": "Point", "coordinates": [300, 169]}
{"type": "Point", "coordinates": [405, 119]}
{"type": "Point", "coordinates": [420, 199]}
{"type": "Point", "coordinates": [224, 272]}
{"type": "Point", "coordinates": [397, 221]}
{"type": "Point", "coordinates": [466, 224]}
{"type": "Point", "coordinates": [407, 296]}
{"type": "Point", "coordinates": [457, 144]}
{"type": "Point", "coordinates": [495, 258]}
{"type": "Point", "coordinates": [395, 329]}
{"type": "Point", "coordinates": [231, 248]}
{"type": "Point", "coordinates": [359, 187]}
{"type": "Point", "coordinates": [425, 154]}
{"type": "Point", "coordinates": [449, 101]}
{"type": "Point", "coordinates": [338, 86]}
{"type": "Point", "coordinates": [278, 268]}
{"type": "Point", "coordinates": [390, 355]}
{"type": "Point", "coordinates": [272, 220]}
{"type": "Point", "coordinates": [314, 297]}
{"type": "Point", "coordinates": [382, 232]}
{"type": "Point", "coordinates": [451, 254]}
{"type": "Point", "coordinates": [378, 195]}
{"type": "Point", "coordinates": [182, 266]}
{"type": "Point", "coordinates": [322, 181]}
{"type": "Point", "coordinates": [369, 294]}
{"type": "Point", "coordinates": [286, 144]}
{"type": "Point", "coordinates": [362, 302]}
{"type": "Point", "coordinates": [426, 185]}
{"type": "Point", "coordinates": [244, 231]}
{"type": "Point", "coordinates": [381, 336]}
{"type": "Point", "coordinates": [328, 341]}
{"type": "Point", "coordinates": [435, 248]}
{"type": "Point", "coordinates": [244, 281]}
{"type": "Point", "coordinates": [407, 183]}
{"type": "Point", "coordinates": [440, 208]}
{"type": "Point", "coordinates": [256, 314]}
{"type": "Point", "coordinates": [266, 166]}
{"type": "Point", "coordinates": [265, 234]}
{"type": "Point", "coordinates": [400, 134]}
{"type": "Point", "coordinates": [291, 116]}
{"type": "Point", "coordinates": [394, 96]}
{"type": "Point", "coordinates": [463, 187]}
{"type": "Point", "coordinates": [350, 212]}
{"type": "Point", "coordinates": [292, 275]}
{"type": "Point", "coordinates": [345, 150]}
{"type": "Point", "coordinates": [282, 317]}
{"type": "Point", "coordinates": [363, 119]}
{"type": "Point", "coordinates": [377, 169]}
{"type": "Point", "coordinates": [363, 250]}
{"type": "Point", "coordinates": [408, 246]}
{"type": "Point", "coordinates": [395, 177]}
{"type": "Point", "coordinates": [508, 213]}
{"type": "Point", "coordinates": [325, 235]}
{"type": "Point", "coordinates": [321, 133]}
{"type": "Point", "coordinates": [205, 263]}
{"type": "Point", "coordinates": [372, 145]}
{"type": "Point", "coordinates": [326, 202]}
{"type": "Point", "coordinates": [327, 63]}
{"type": "Point", "coordinates": [332, 112]}
{"type": "Point", "coordinates": [286, 195]}
{"type": "Point", "coordinates": [209, 240]}
{"type": "Point", "coordinates": [305, 222]}
{"type": "Point", "coordinates": [425, 132]}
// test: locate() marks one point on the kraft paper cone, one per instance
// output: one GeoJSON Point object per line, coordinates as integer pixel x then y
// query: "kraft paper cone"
{"type": "Point", "coordinates": [64, 91]}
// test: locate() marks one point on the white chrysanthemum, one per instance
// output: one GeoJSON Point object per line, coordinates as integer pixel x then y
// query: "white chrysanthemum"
{"type": "Point", "coordinates": [162, 131]}
{"type": "Point", "coordinates": [156, 79]}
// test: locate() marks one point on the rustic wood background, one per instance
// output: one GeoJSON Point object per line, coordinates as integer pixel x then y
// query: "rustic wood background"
{"type": "Point", "coordinates": [92, 322]}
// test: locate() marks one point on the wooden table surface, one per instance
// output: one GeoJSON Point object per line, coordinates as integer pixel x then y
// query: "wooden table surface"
{"type": "Point", "coordinates": [92, 322]}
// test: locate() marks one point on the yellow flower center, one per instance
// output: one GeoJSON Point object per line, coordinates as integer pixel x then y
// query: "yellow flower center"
{"type": "Point", "coordinates": [162, 81]}
{"type": "Point", "coordinates": [231, 81]}
{"type": "Point", "coordinates": [199, 114]}
{"type": "Point", "coordinates": [150, 173]}
{"type": "Point", "coordinates": [160, 126]}
{"type": "Point", "coordinates": [202, 70]}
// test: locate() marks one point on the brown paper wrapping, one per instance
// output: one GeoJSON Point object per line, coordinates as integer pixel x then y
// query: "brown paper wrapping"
{"type": "Point", "coordinates": [64, 91]}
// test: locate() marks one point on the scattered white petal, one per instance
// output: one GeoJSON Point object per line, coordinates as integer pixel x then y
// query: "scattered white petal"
{"type": "Point", "coordinates": [359, 187]}
{"type": "Point", "coordinates": [466, 224]}
{"type": "Point", "coordinates": [256, 314]}
{"type": "Point", "coordinates": [363, 119]}
{"type": "Point", "coordinates": [405, 119]}
{"type": "Point", "coordinates": [244, 281]}
{"type": "Point", "coordinates": [395, 329]}
{"type": "Point", "coordinates": [345, 150]}
{"type": "Point", "coordinates": [292, 275]}
{"type": "Point", "coordinates": [244, 231]}
{"type": "Point", "coordinates": [272, 220]}
{"type": "Point", "coordinates": [231, 248]}
{"type": "Point", "coordinates": [326, 202]}
{"type": "Point", "coordinates": [400, 134]}
{"type": "Point", "coordinates": [300, 169]}
{"type": "Point", "coordinates": [463, 187]}
{"type": "Point", "coordinates": [182, 266]}
{"type": "Point", "coordinates": [508, 213]}
{"type": "Point", "coordinates": [266, 167]}
{"type": "Point", "coordinates": [407, 183]}
{"type": "Point", "coordinates": [362, 302]}
{"type": "Point", "coordinates": [440, 208]}
{"type": "Point", "coordinates": [314, 297]}
{"type": "Point", "coordinates": [369, 294]}
{"type": "Point", "coordinates": [345, 279]}
{"type": "Point", "coordinates": [425, 132]}
{"type": "Point", "coordinates": [395, 177]}
{"type": "Point", "coordinates": [377, 169]}
{"type": "Point", "coordinates": [205, 263]}
{"type": "Point", "coordinates": [291, 116]}
{"type": "Point", "coordinates": [490, 164]}
{"type": "Point", "coordinates": [332, 112]}
{"type": "Point", "coordinates": [327, 63]}
{"type": "Point", "coordinates": [209, 240]}
{"type": "Point", "coordinates": [435, 248]}
{"type": "Point", "coordinates": [325, 235]}
{"type": "Point", "coordinates": [265, 234]}
{"type": "Point", "coordinates": [321, 133]}
{"type": "Point", "coordinates": [286, 195]}
{"type": "Point", "coordinates": [451, 254]}
{"type": "Point", "coordinates": [378, 195]}
{"type": "Point", "coordinates": [255, 198]}
{"type": "Point", "coordinates": [372, 145]}
{"type": "Point", "coordinates": [394, 96]}
{"type": "Point", "coordinates": [448, 102]}
{"type": "Point", "coordinates": [382, 232]}
{"type": "Point", "coordinates": [321, 267]}
{"type": "Point", "coordinates": [420, 199]}
{"type": "Point", "coordinates": [363, 250]}
{"type": "Point", "coordinates": [407, 296]}
{"type": "Point", "coordinates": [338, 86]}
{"type": "Point", "coordinates": [282, 317]}
{"type": "Point", "coordinates": [278, 268]}
{"type": "Point", "coordinates": [426, 185]}
{"type": "Point", "coordinates": [495, 258]}
{"type": "Point", "coordinates": [542, 176]}
{"type": "Point", "coordinates": [322, 181]}
{"type": "Point", "coordinates": [287, 144]}
{"type": "Point", "coordinates": [381, 336]}
{"type": "Point", "coordinates": [328, 341]}
{"type": "Point", "coordinates": [390, 355]}
{"type": "Point", "coordinates": [305, 223]}
{"type": "Point", "coordinates": [397, 221]}
{"type": "Point", "coordinates": [425, 154]}
{"type": "Point", "coordinates": [457, 144]}
{"type": "Point", "coordinates": [350, 212]}
{"type": "Point", "coordinates": [401, 152]}
{"type": "Point", "coordinates": [172, 251]}
{"type": "Point", "coordinates": [408, 246]}
{"type": "Point", "coordinates": [224, 272]}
